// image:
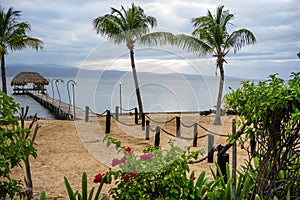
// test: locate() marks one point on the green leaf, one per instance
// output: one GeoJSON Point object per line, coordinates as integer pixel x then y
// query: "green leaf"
{"type": "Point", "coordinates": [91, 193]}
{"type": "Point", "coordinates": [84, 186]}
{"type": "Point", "coordinates": [69, 189]}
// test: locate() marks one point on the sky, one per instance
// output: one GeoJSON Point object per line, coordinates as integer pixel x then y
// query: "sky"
{"type": "Point", "coordinates": [66, 29]}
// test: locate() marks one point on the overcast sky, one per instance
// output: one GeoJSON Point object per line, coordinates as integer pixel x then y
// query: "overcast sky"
{"type": "Point", "coordinates": [65, 27]}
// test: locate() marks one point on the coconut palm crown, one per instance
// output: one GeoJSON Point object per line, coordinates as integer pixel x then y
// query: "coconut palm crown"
{"type": "Point", "coordinates": [13, 37]}
{"type": "Point", "coordinates": [126, 25]}
{"type": "Point", "coordinates": [212, 37]}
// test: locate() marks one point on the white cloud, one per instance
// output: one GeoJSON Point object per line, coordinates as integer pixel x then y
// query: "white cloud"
{"type": "Point", "coordinates": [67, 31]}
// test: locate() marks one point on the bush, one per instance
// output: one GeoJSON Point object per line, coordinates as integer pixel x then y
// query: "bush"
{"type": "Point", "coordinates": [273, 109]}
{"type": "Point", "coordinates": [14, 147]}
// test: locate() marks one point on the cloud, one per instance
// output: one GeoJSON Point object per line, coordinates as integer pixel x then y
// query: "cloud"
{"type": "Point", "coordinates": [67, 32]}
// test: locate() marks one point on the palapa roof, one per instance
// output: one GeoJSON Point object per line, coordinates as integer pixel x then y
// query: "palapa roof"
{"type": "Point", "coordinates": [29, 77]}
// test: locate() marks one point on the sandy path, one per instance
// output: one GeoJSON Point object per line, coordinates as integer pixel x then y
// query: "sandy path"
{"type": "Point", "coordinates": [67, 148]}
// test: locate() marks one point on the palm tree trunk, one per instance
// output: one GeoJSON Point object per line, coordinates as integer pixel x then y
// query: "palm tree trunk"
{"type": "Point", "coordinates": [3, 75]}
{"type": "Point", "coordinates": [219, 101]}
{"type": "Point", "coordinates": [137, 89]}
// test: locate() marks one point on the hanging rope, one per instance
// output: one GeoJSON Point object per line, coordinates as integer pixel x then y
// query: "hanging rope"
{"type": "Point", "coordinates": [158, 122]}
{"type": "Point", "coordinates": [127, 110]}
{"type": "Point", "coordinates": [221, 135]}
{"type": "Point", "coordinates": [102, 114]}
{"type": "Point", "coordinates": [187, 126]}
{"type": "Point", "coordinates": [167, 132]}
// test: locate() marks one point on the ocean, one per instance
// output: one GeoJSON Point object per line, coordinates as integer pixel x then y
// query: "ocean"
{"type": "Point", "coordinates": [160, 92]}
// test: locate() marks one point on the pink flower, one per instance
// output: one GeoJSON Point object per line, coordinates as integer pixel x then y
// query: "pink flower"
{"type": "Point", "coordinates": [115, 162]}
{"type": "Point", "coordinates": [124, 159]}
{"type": "Point", "coordinates": [146, 156]}
{"type": "Point", "coordinates": [98, 178]}
{"type": "Point", "coordinates": [128, 150]}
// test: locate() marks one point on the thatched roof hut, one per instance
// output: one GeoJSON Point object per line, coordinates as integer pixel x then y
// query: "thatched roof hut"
{"type": "Point", "coordinates": [24, 78]}
{"type": "Point", "coordinates": [34, 79]}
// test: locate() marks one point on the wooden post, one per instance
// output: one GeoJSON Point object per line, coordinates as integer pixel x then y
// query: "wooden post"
{"type": "Point", "coordinates": [143, 121]}
{"type": "Point", "coordinates": [107, 130]}
{"type": "Point", "coordinates": [178, 127]}
{"type": "Point", "coordinates": [222, 160]}
{"type": "Point", "coordinates": [157, 136]}
{"type": "Point", "coordinates": [210, 147]}
{"type": "Point", "coordinates": [87, 109]}
{"type": "Point", "coordinates": [147, 130]}
{"type": "Point", "coordinates": [117, 113]}
{"type": "Point", "coordinates": [195, 135]}
{"type": "Point", "coordinates": [233, 181]}
{"type": "Point", "coordinates": [136, 118]}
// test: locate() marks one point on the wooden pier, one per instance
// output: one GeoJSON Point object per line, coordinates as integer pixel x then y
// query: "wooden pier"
{"type": "Point", "coordinates": [59, 109]}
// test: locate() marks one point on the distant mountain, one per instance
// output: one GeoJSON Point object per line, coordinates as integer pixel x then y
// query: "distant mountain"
{"type": "Point", "coordinates": [44, 70]}
{"type": "Point", "coordinates": [53, 70]}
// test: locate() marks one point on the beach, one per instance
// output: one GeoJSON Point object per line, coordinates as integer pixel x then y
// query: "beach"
{"type": "Point", "coordinates": [69, 148]}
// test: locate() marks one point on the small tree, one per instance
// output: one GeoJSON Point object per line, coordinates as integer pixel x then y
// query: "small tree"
{"type": "Point", "coordinates": [273, 108]}
{"type": "Point", "coordinates": [15, 148]}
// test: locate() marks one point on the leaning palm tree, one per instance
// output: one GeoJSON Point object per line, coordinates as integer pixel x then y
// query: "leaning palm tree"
{"type": "Point", "coordinates": [13, 36]}
{"type": "Point", "coordinates": [126, 25]}
{"type": "Point", "coordinates": [211, 37]}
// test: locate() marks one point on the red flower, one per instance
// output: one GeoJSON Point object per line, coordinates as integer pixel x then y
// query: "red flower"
{"type": "Point", "coordinates": [128, 150]}
{"type": "Point", "coordinates": [133, 174]}
{"type": "Point", "coordinates": [129, 175]}
{"type": "Point", "coordinates": [113, 196]}
{"type": "Point", "coordinates": [98, 178]}
{"type": "Point", "coordinates": [146, 156]}
{"type": "Point", "coordinates": [126, 177]}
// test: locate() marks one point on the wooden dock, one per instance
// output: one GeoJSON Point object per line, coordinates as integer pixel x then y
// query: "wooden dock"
{"type": "Point", "coordinates": [60, 109]}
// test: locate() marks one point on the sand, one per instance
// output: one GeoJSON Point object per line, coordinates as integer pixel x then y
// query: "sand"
{"type": "Point", "coordinates": [68, 148]}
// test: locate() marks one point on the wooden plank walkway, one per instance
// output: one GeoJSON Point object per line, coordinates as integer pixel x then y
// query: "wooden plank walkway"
{"type": "Point", "coordinates": [60, 109]}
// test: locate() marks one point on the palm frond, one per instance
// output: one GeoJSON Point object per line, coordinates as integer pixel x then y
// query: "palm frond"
{"type": "Point", "coordinates": [13, 34]}
{"type": "Point", "coordinates": [158, 38]}
{"type": "Point", "coordinates": [240, 38]}
{"type": "Point", "coordinates": [193, 44]}
{"type": "Point", "coordinates": [124, 25]}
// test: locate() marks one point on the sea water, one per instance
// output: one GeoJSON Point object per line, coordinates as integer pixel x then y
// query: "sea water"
{"type": "Point", "coordinates": [160, 93]}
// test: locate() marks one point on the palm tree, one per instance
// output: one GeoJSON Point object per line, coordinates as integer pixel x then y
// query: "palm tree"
{"type": "Point", "coordinates": [126, 26]}
{"type": "Point", "coordinates": [211, 37]}
{"type": "Point", "coordinates": [13, 36]}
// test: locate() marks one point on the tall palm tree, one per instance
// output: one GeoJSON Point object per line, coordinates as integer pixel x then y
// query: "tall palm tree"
{"type": "Point", "coordinates": [13, 36]}
{"type": "Point", "coordinates": [126, 25]}
{"type": "Point", "coordinates": [212, 37]}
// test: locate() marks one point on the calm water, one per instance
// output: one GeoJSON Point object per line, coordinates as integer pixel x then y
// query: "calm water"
{"type": "Point", "coordinates": [160, 93]}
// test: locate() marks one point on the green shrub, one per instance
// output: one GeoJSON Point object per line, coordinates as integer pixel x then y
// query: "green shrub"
{"type": "Point", "coordinates": [14, 147]}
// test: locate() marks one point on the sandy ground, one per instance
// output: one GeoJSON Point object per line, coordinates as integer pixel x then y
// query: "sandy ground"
{"type": "Point", "coordinates": [68, 148]}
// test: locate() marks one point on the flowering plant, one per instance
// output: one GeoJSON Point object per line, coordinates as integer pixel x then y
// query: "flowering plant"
{"type": "Point", "coordinates": [154, 174]}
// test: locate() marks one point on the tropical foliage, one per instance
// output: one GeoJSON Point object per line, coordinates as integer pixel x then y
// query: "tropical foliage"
{"type": "Point", "coordinates": [211, 36]}
{"type": "Point", "coordinates": [13, 36]}
{"type": "Point", "coordinates": [14, 147]}
{"type": "Point", "coordinates": [273, 109]}
{"type": "Point", "coordinates": [126, 25]}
